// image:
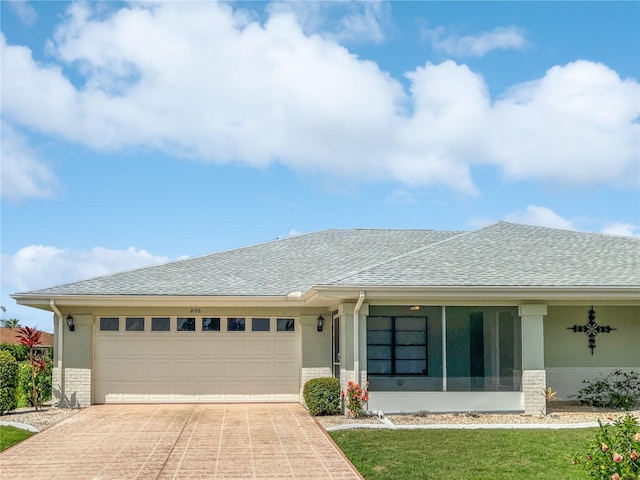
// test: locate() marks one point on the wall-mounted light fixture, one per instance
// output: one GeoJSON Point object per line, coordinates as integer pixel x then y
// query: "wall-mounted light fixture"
{"type": "Point", "coordinates": [320, 323]}
{"type": "Point", "coordinates": [70, 323]}
{"type": "Point", "coordinates": [414, 308]}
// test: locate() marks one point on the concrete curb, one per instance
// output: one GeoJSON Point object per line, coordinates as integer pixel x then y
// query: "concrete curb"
{"type": "Point", "coordinates": [22, 426]}
{"type": "Point", "coordinates": [463, 426]}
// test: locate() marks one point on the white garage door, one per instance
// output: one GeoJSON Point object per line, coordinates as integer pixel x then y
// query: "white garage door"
{"type": "Point", "coordinates": [196, 359]}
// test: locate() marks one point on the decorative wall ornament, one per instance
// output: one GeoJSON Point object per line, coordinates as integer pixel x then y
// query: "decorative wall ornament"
{"type": "Point", "coordinates": [592, 329]}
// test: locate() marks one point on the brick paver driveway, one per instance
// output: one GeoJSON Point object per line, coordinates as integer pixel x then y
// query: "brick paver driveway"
{"type": "Point", "coordinates": [230, 441]}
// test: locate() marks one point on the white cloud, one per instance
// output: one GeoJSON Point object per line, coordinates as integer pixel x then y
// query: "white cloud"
{"type": "Point", "coordinates": [546, 217]}
{"type": "Point", "coordinates": [23, 174]}
{"type": "Point", "coordinates": [502, 38]}
{"type": "Point", "coordinates": [578, 125]}
{"type": "Point", "coordinates": [201, 81]}
{"type": "Point", "coordinates": [39, 266]}
{"type": "Point", "coordinates": [25, 12]}
{"type": "Point", "coordinates": [350, 22]}
{"type": "Point", "coordinates": [294, 233]}
{"type": "Point", "coordinates": [541, 217]}
{"type": "Point", "coordinates": [623, 229]}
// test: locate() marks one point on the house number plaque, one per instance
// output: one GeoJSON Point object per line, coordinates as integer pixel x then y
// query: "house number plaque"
{"type": "Point", "coordinates": [592, 329]}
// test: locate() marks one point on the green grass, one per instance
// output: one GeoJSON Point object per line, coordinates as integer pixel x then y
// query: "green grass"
{"type": "Point", "coordinates": [464, 454]}
{"type": "Point", "coordinates": [9, 436]}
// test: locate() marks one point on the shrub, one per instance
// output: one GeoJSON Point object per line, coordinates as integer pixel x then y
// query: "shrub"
{"type": "Point", "coordinates": [19, 352]}
{"type": "Point", "coordinates": [613, 454]}
{"type": "Point", "coordinates": [322, 396]}
{"type": "Point", "coordinates": [620, 390]}
{"type": "Point", "coordinates": [355, 398]}
{"type": "Point", "coordinates": [8, 381]}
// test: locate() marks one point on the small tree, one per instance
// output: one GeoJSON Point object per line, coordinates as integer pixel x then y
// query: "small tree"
{"type": "Point", "coordinates": [31, 338]}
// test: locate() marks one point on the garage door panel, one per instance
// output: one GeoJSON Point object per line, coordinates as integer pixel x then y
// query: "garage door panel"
{"type": "Point", "coordinates": [183, 346]}
{"type": "Point", "coordinates": [159, 369]}
{"type": "Point", "coordinates": [210, 370]}
{"type": "Point", "coordinates": [236, 369]}
{"type": "Point", "coordinates": [209, 346]}
{"type": "Point", "coordinates": [113, 368]}
{"type": "Point", "coordinates": [236, 347]}
{"type": "Point", "coordinates": [155, 346]}
{"type": "Point", "coordinates": [287, 346]}
{"type": "Point", "coordinates": [261, 369]}
{"type": "Point", "coordinates": [285, 369]}
{"type": "Point", "coordinates": [261, 347]}
{"type": "Point", "coordinates": [187, 369]}
{"type": "Point", "coordinates": [165, 367]}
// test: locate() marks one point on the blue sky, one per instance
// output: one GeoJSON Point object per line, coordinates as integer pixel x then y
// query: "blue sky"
{"type": "Point", "coordinates": [140, 132]}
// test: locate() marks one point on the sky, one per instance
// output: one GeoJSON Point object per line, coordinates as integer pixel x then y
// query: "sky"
{"type": "Point", "coordinates": [134, 133]}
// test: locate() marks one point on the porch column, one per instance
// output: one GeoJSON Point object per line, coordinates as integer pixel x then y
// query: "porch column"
{"type": "Point", "coordinates": [533, 374]}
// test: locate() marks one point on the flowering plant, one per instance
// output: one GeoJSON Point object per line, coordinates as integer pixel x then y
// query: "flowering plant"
{"type": "Point", "coordinates": [355, 398]}
{"type": "Point", "coordinates": [613, 454]}
{"type": "Point", "coordinates": [31, 338]}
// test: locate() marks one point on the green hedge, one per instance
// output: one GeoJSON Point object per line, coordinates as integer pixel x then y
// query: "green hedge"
{"type": "Point", "coordinates": [19, 351]}
{"type": "Point", "coordinates": [322, 396]}
{"type": "Point", "coordinates": [8, 381]}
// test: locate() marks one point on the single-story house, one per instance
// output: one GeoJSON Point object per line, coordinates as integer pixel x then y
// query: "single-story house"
{"type": "Point", "coordinates": [435, 321]}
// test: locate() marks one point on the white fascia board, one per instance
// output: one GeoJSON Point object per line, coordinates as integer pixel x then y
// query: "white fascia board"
{"type": "Point", "coordinates": [42, 301]}
{"type": "Point", "coordinates": [621, 295]}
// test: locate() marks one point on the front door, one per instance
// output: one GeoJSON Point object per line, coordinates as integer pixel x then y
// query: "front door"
{"type": "Point", "coordinates": [335, 327]}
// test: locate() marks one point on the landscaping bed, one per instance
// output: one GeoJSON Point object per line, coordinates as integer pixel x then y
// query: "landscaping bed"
{"type": "Point", "coordinates": [558, 412]}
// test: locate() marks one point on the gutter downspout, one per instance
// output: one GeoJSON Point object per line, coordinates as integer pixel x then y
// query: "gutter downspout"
{"type": "Point", "coordinates": [53, 306]}
{"type": "Point", "coordinates": [356, 339]}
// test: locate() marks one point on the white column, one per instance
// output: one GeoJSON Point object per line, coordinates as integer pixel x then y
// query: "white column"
{"type": "Point", "coordinates": [533, 373]}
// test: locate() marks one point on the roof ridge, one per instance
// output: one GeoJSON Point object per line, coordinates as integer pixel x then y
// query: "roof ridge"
{"type": "Point", "coordinates": [403, 255]}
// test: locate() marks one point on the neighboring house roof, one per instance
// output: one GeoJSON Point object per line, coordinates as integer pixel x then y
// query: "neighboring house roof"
{"type": "Point", "coordinates": [10, 335]}
{"type": "Point", "coordinates": [503, 254]}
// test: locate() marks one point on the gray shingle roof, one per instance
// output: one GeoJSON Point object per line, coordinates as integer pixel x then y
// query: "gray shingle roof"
{"type": "Point", "coordinates": [514, 255]}
{"type": "Point", "coordinates": [500, 255]}
{"type": "Point", "coordinates": [273, 268]}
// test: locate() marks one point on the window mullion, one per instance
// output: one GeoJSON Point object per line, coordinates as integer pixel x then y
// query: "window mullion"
{"type": "Point", "coordinates": [393, 345]}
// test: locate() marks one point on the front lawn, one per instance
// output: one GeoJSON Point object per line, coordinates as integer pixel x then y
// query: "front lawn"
{"type": "Point", "coordinates": [9, 436]}
{"type": "Point", "coordinates": [464, 454]}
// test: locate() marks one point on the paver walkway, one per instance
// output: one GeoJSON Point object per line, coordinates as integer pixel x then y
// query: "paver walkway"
{"type": "Point", "coordinates": [194, 442]}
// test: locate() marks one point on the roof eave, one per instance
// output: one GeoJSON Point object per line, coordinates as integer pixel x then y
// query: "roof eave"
{"type": "Point", "coordinates": [323, 295]}
{"type": "Point", "coordinates": [550, 294]}
{"type": "Point", "coordinates": [42, 300]}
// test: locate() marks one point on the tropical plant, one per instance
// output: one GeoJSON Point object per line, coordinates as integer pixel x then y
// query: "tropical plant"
{"type": "Point", "coordinates": [8, 381]}
{"type": "Point", "coordinates": [31, 337]}
{"type": "Point", "coordinates": [11, 323]}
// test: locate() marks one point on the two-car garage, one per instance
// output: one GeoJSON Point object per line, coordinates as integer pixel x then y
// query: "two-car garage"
{"type": "Point", "coordinates": [164, 359]}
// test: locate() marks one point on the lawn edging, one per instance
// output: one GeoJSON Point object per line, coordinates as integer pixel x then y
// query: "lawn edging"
{"type": "Point", "coordinates": [22, 426]}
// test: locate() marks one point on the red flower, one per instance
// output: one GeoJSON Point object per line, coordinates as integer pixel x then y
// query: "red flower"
{"type": "Point", "coordinates": [615, 476]}
{"type": "Point", "coordinates": [617, 457]}
{"type": "Point", "coordinates": [604, 447]}
{"type": "Point", "coordinates": [633, 455]}
{"type": "Point", "coordinates": [636, 437]}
